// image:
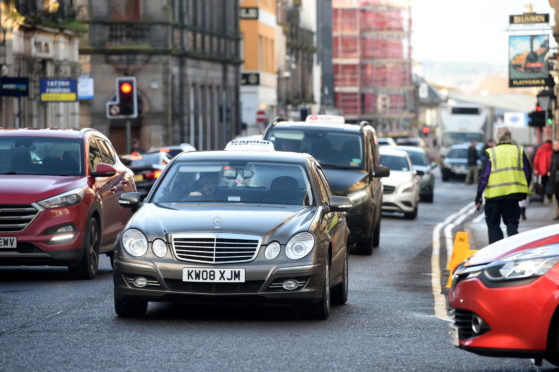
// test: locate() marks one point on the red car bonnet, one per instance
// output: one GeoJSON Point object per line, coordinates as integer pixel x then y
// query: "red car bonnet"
{"type": "Point", "coordinates": [516, 243]}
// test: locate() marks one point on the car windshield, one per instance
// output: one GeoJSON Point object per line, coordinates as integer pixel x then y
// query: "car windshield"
{"type": "Point", "coordinates": [41, 156]}
{"type": "Point", "coordinates": [417, 158]}
{"type": "Point", "coordinates": [457, 153]}
{"type": "Point", "coordinates": [333, 149]}
{"type": "Point", "coordinates": [394, 162]}
{"type": "Point", "coordinates": [455, 138]}
{"type": "Point", "coordinates": [235, 182]}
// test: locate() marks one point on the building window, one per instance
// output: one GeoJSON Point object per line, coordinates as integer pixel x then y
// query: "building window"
{"type": "Point", "coordinates": [125, 9]}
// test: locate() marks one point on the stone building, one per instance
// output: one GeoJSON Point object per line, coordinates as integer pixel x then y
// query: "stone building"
{"type": "Point", "coordinates": [185, 57]}
{"type": "Point", "coordinates": [39, 39]}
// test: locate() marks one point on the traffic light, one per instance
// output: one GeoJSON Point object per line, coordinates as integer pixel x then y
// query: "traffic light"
{"type": "Point", "coordinates": [537, 117]}
{"type": "Point", "coordinates": [125, 104]}
{"type": "Point", "coordinates": [425, 130]}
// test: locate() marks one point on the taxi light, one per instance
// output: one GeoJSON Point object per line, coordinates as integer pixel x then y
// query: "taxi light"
{"type": "Point", "coordinates": [290, 285]}
{"type": "Point", "coordinates": [325, 119]}
{"type": "Point", "coordinates": [250, 145]}
{"type": "Point", "coordinates": [140, 282]}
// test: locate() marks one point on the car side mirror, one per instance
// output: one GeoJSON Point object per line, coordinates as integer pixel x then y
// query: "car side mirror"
{"type": "Point", "coordinates": [130, 199]}
{"type": "Point", "coordinates": [340, 203]}
{"type": "Point", "coordinates": [104, 170]}
{"type": "Point", "coordinates": [381, 171]}
{"type": "Point", "coordinates": [419, 172]}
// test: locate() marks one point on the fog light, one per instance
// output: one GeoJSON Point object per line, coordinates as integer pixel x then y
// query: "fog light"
{"type": "Point", "coordinates": [290, 285]}
{"type": "Point", "coordinates": [477, 324]}
{"type": "Point", "coordinates": [62, 237]}
{"type": "Point", "coordinates": [140, 282]}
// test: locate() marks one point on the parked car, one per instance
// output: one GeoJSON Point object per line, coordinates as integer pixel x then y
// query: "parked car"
{"type": "Point", "coordinates": [505, 298]}
{"type": "Point", "coordinates": [455, 163]}
{"type": "Point", "coordinates": [401, 188]}
{"type": "Point", "coordinates": [173, 150]}
{"type": "Point", "coordinates": [147, 168]}
{"type": "Point", "coordinates": [235, 225]}
{"type": "Point", "coordinates": [350, 158]}
{"type": "Point", "coordinates": [59, 193]}
{"type": "Point", "coordinates": [386, 141]}
{"type": "Point", "coordinates": [420, 162]}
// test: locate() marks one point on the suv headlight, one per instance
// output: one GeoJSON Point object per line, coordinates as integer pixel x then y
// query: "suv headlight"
{"type": "Point", "coordinates": [299, 245]}
{"type": "Point", "coordinates": [63, 200]}
{"type": "Point", "coordinates": [134, 242]}
{"type": "Point", "coordinates": [407, 187]}
{"type": "Point", "coordinates": [526, 264]}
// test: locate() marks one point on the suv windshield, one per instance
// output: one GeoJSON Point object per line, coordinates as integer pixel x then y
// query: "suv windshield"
{"type": "Point", "coordinates": [235, 182]}
{"type": "Point", "coordinates": [333, 149]}
{"type": "Point", "coordinates": [41, 155]}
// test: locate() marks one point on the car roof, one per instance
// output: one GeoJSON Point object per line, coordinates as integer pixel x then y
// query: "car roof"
{"type": "Point", "coordinates": [392, 150]}
{"type": "Point", "coordinates": [283, 156]}
{"type": "Point", "coordinates": [49, 132]}
{"type": "Point", "coordinates": [321, 126]}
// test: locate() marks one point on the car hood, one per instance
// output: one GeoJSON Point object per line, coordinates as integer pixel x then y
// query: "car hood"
{"type": "Point", "coordinates": [397, 178]}
{"type": "Point", "coordinates": [504, 247]}
{"type": "Point", "coordinates": [270, 222]}
{"type": "Point", "coordinates": [27, 189]}
{"type": "Point", "coordinates": [346, 181]}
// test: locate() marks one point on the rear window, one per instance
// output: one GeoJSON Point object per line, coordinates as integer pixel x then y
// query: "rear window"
{"type": "Point", "coordinates": [417, 158]}
{"type": "Point", "coordinates": [41, 156]}
{"type": "Point", "coordinates": [457, 153]}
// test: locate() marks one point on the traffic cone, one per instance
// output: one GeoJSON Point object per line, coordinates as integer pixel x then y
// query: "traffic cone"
{"type": "Point", "coordinates": [460, 252]}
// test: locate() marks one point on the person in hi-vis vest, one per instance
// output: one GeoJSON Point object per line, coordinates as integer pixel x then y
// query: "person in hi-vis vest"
{"type": "Point", "coordinates": [505, 180]}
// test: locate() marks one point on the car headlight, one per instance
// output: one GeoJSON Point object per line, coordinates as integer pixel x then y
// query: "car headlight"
{"type": "Point", "coordinates": [272, 250]}
{"type": "Point", "coordinates": [299, 245]}
{"type": "Point", "coordinates": [63, 200]}
{"type": "Point", "coordinates": [134, 242]}
{"type": "Point", "coordinates": [159, 248]}
{"type": "Point", "coordinates": [358, 196]}
{"type": "Point", "coordinates": [526, 264]}
{"type": "Point", "coordinates": [407, 187]}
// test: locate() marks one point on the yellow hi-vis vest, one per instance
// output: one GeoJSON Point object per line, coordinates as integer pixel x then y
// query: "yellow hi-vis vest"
{"type": "Point", "coordinates": [507, 171]}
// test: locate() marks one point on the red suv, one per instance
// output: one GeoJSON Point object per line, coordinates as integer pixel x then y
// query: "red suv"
{"type": "Point", "coordinates": [59, 192]}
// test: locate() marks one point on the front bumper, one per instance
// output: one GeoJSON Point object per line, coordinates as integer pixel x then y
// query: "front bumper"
{"type": "Point", "coordinates": [518, 317]}
{"type": "Point", "coordinates": [262, 282]}
{"type": "Point", "coordinates": [34, 245]}
{"type": "Point", "coordinates": [399, 202]}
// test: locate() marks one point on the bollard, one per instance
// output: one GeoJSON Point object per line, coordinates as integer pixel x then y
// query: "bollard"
{"type": "Point", "coordinates": [460, 252]}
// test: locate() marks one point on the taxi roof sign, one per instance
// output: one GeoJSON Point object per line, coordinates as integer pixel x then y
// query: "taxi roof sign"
{"type": "Point", "coordinates": [326, 119]}
{"type": "Point", "coordinates": [250, 145]}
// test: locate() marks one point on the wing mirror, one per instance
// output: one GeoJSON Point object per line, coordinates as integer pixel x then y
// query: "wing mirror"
{"type": "Point", "coordinates": [340, 203]}
{"type": "Point", "coordinates": [104, 170]}
{"type": "Point", "coordinates": [381, 171]}
{"type": "Point", "coordinates": [419, 172]}
{"type": "Point", "coordinates": [130, 199]}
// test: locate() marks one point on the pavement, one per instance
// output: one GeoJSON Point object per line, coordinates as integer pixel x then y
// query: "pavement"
{"type": "Point", "coordinates": [538, 214]}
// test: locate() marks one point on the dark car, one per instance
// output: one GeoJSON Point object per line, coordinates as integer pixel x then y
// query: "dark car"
{"type": "Point", "coordinates": [420, 162]}
{"type": "Point", "coordinates": [455, 163]}
{"type": "Point", "coordinates": [59, 193]}
{"type": "Point", "coordinates": [174, 150]}
{"type": "Point", "coordinates": [147, 168]}
{"type": "Point", "coordinates": [350, 157]}
{"type": "Point", "coordinates": [233, 226]}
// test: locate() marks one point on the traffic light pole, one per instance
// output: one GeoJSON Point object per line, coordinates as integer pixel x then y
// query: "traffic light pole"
{"type": "Point", "coordinates": [128, 137]}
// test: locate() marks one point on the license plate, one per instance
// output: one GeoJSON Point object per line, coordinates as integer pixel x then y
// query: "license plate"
{"type": "Point", "coordinates": [453, 332]}
{"type": "Point", "coordinates": [8, 242]}
{"type": "Point", "coordinates": [138, 177]}
{"type": "Point", "coordinates": [213, 275]}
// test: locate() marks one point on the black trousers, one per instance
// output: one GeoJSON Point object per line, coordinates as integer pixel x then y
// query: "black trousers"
{"type": "Point", "coordinates": [495, 210]}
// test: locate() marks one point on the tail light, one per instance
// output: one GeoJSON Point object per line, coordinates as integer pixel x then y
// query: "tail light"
{"type": "Point", "coordinates": [152, 175]}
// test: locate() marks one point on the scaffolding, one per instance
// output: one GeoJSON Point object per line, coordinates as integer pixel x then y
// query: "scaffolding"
{"type": "Point", "coordinates": [372, 61]}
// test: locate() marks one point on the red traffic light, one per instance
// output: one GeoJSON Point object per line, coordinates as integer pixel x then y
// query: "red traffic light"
{"type": "Point", "coordinates": [538, 108]}
{"type": "Point", "coordinates": [426, 130]}
{"type": "Point", "coordinates": [126, 88]}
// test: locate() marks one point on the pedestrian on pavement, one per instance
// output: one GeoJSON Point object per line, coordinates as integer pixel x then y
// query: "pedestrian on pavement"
{"type": "Point", "coordinates": [473, 169]}
{"type": "Point", "coordinates": [504, 179]}
{"type": "Point", "coordinates": [542, 161]}
{"type": "Point", "coordinates": [554, 177]}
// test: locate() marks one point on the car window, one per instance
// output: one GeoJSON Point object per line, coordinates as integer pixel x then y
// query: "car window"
{"type": "Point", "coordinates": [457, 153]}
{"type": "Point", "coordinates": [107, 155]}
{"type": "Point", "coordinates": [417, 158]}
{"type": "Point", "coordinates": [395, 163]}
{"type": "Point", "coordinates": [41, 156]}
{"type": "Point", "coordinates": [334, 149]}
{"type": "Point", "coordinates": [95, 156]}
{"type": "Point", "coordinates": [324, 187]}
{"type": "Point", "coordinates": [235, 182]}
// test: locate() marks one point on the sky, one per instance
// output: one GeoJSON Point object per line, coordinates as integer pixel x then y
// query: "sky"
{"type": "Point", "coordinates": [473, 31]}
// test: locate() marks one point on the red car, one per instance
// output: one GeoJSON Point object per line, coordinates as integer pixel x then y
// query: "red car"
{"type": "Point", "coordinates": [505, 299]}
{"type": "Point", "coordinates": [59, 192]}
